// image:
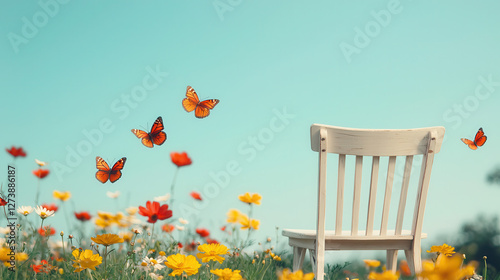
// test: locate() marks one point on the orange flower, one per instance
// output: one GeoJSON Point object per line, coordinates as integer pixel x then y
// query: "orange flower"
{"type": "Point", "coordinates": [47, 231]}
{"type": "Point", "coordinates": [404, 268]}
{"type": "Point", "coordinates": [107, 239]}
{"type": "Point", "coordinates": [180, 159]}
{"type": "Point", "coordinates": [16, 152]}
{"type": "Point", "coordinates": [168, 228]}
{"type": "Point", "coordinates": [41, 173]}
{"type": "Point", "coordinates": [195, 195]}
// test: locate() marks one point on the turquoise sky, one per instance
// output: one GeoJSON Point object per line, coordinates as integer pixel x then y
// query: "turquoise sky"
{"type": "Point", "coordinates": [71, 68]}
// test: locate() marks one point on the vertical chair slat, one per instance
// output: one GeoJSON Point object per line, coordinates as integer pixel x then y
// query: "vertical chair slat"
{"type": "Point", "coordinates": [423, 185]}
{"type": "Point", "coordinates": [373, 196]}
{"type": "Point", "coordinates": [404, 194]}
{"type": "Point", "coordinates": [340, 195]}
{"type": "Point", "coordinates": [357, 194]}
{"type": "Point", "coordinates": [319, 252]}
{"type": "Point", "coordinates": [388, 193]}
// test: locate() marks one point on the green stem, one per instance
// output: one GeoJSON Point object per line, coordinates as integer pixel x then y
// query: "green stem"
{"type": "Point", "coordinates": [105, 257]}
{"type": "Point", "coordinates": [485, 268]}
{"type": "Point", "coordinates": [172, 188]}
{"type": "Point", "coordinates": [37, 191]}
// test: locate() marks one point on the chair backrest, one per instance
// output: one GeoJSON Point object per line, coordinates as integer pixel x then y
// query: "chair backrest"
{"type": "Point", "coordinates": [375, 143]}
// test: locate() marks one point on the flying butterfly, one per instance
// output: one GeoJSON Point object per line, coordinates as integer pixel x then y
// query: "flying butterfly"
{"type": "Point", "coordinates": [192, 103]}
{"type": "Point", "coordinates": [104, 172]}
{"type": "Point", "coordinates": [155, 136]}
{"type": "Point", "coordinates": [479, 140]}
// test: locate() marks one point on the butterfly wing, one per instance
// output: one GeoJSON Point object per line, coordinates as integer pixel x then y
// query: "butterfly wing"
{"type": "Point", "coordinates": [103, 170]}
{"type": "Point", "coordinates": [191, 101]}
{"type": "Point", "coordinates": [469, 143]}
{"type": "Point", "coordinates": [480, 138]}
{"type": "Point", "coordinates": [156, 134]}
{"type": "Point", "coordinates": [116, 172]}
{"type": "Point", "coordinates": [146, 139]}
{"type": "Point", "coordinates": [203, 109]}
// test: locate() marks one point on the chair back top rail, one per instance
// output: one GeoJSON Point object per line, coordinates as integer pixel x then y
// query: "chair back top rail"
{"type": "Point", "coordinates": [375, 142]}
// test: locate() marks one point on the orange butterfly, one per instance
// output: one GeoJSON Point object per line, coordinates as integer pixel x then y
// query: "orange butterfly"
{"type": "Point", "coordinates": [104, 172]}
{"type": "Point", "coordinates": [156, 136]}
{"type": "Point", "coordinates": [192, 102]}
{"type": "Point", "coordinates": [479, 140]}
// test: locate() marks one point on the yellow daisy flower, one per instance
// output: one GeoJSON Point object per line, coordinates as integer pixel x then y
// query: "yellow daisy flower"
{"type": "Point", "coordinates": [227, 274]}
{"type": "Point", "coordinates": [372, 263]}
{"type": "Point", "coordinates": [444, 249]}
{"type": "Point", "coordinates": [107, 239]}
{"type": "Point", "coordinates": [62, 196]}
{"type": "Point", "coordinates": [212, 252]}
{"type": "Point", "coordinates": [447, 268]}
{"type": "Point", "coordinates": [247, 198]}
{"type": "Point", "coordinates": [247, 224]}
{"type": "Point", "coordinates": [233, 216]}
{"type": "Point", "coordinates": [180, 263]}
{"type": "Point", "coordinates": [85, 259]}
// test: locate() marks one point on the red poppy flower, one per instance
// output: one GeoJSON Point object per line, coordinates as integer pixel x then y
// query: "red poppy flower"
{"type": "Point", "coordinates": [2, 202]}
{"type": "Point", "coordinates": [41, 173]}
{"type": "Point", "coordinates": [168, 228]}
{"type": "Point", "coordinates": [212, 241]}
{"type": "Point", "coordinates": [47, 231]}
{"type": "Point", "coordinates": [16, 152]}
{"type": "Point", "coordinates": [154, 212]}
{"type": "Point", "coordinates": [51, 207]}
{"type": "Point", "coordinates": [180, 159]}
{"type": "Point", "coordinates": [83, 216]}
{"type": "Point", "coordinates": [223, 228]}
{"type": "Point", "coordinates": [203, 232]}
{"type": "Point", "coordinates": [43, 267]}
{"type": "Point", "coordinates": [179, 245]}
{"type": "Point", "coordinates": [195, 195]}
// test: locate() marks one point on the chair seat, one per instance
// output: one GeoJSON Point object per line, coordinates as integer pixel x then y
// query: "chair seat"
{"type": "Point", "coordinates": [346, 235]}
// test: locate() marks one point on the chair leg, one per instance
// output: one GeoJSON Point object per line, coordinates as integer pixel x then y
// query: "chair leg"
{"type": "Point", "coordinates": [392, 260]}
{"type": "Point", "coordinates": [414, 258]}
{"type": "Point", "coordinates": [318, 264]}
{"type": "Point", "coordinates": [298, 258]}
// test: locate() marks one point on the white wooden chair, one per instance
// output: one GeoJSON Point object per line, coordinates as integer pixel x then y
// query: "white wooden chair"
{"type": "Point", "coordinates": [375, 143]}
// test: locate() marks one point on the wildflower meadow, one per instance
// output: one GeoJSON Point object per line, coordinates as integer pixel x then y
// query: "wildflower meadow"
{"type": "Point", "coordinates": [150, 242]}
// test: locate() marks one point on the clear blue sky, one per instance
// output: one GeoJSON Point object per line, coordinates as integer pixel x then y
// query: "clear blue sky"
{"type": "Point", "coordinates": [277, 67]}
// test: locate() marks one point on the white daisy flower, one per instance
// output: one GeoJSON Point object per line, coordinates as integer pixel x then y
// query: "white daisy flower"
{"type": "Point", "coordinates": [155, 276]}
{"type": "Point", "coordinates": [43, 212]}
{"type": "Point", "coordinates": [156, 264]}
{"type": "Point", "coordinates": [179, 227]}
{"type": "Point", "coordinates": [162, 198]}
{"type": "Point", "coordinates": [25, 210]}
{"type": "Point", "coordinates": [40, 163]}
{"type": "Point", "coordinates": [113, 194]}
